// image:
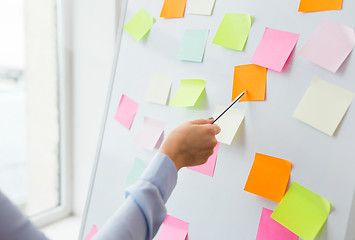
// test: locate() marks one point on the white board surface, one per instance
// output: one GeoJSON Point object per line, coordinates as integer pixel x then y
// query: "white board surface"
{"type": "Point", "coordinates": [218, 207]}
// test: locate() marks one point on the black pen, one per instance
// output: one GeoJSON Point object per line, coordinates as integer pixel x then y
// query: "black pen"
{"type": "Point", "coordinates": [235, 101]}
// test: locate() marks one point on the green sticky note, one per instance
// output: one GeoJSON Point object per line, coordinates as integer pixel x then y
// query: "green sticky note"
{"type": "Point", "coordinates": [140, 24]}
{"type": "Point", "coordinates": [233, 31]}
{"type": "Point", "coordinates": [136, 171]}
{"type": "Point", "coordinates": [188, 93]}
{"type": "Point", "coordinates": [302, 211]}
{"type": "Point", "coordinates": [193, 45]}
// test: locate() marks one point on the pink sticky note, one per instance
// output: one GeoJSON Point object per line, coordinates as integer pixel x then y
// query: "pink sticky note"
{"type": "Point", "coordinates": [329, 45]}
{"type": "Point", "coordinates": [208, 167]}
{"type": "Point", "coordinates": [92, 232]}
{"type": "Point", "coordinates": [126, 111]}
{"type": "Point", "coordinates": [173, 229]}
{"type": "Point", "coordinates": [269, 229]}
{"type": "Point", "coordinates": [151, 133]}
{"type": "Point", "coordinates": [274, 49]}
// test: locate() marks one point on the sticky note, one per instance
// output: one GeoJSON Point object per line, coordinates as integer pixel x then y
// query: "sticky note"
{"type": "Point", "coordinates": [193, 45]}
{"type": "Point", "coordinates": [91, 233]}
{"type": "Point", "coordinates": [229, 123]}
{"type": "Point", "coordinates": [201, 7]}
{"type": "Point", "coordinates": [329, 45]}
{"type": "Point", "coordinates": [323, 106]}
{"type": "Point", "coordinates": [126, 111]}
{"type": "Point", "coordinates": [173, 9]}
{"type": "Point", "coordinates": [302, 211]}
{"type": "Point", "coordinates": [269, 229]}
{"type": "Point", "coordinates": [268, 177]}
{"type": "Point", "coordinates": [317, 5]}
{"type": "Point", "coordinates": [140, 24]}
{"type": "Point", "coordinates": [188, 93]}
{"type": "Point", "coordinates": [274, 49]}
{"type": "Point", "coordinates": [136, 171]}
{"type": "Point", "coordinates": [159, 88]}
{"type": "Point", "coordinates": [173, 229]}
{"type": "Point", "coordinates": [208, 167]}
{"type": "Point", "coordinates": [250, 78]}
{"type": "Point", "coordinates": [233, 31]}
{"type": "Point", "coordinates": [151, 133]}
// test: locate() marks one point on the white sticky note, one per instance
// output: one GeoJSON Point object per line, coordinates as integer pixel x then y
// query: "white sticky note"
{"type": "Point", "coordinates": [200, 7]}
{"type": "Point", "coordinates": [159, 88]}
{"type": "Point", "coordinates": [323, 106]}
{"type": "Point", "coordinates": [229, 123]}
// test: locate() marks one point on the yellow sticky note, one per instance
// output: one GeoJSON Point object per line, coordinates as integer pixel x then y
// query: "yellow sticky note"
{"type": "Point", "coordinates": [159, 88]}
{"type": "Point", "coordinates": [302, 211]}
{"type": "Point", "coordinates": [233, 31]}
{"type": "Point", "coordinates": [140, 24]}
{"type": "Point", "coordinates": [323, 106]}
{"type": "Point", "coordinates": [228, 122]}
{"type": "Point", "coordinates": [319, 5]}
{"type": "Point", "coordinates": [188, 93]}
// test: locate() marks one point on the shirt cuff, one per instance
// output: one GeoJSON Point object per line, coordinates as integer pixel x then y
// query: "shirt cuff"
{"type": "Point", "coordinates": [162, 173]}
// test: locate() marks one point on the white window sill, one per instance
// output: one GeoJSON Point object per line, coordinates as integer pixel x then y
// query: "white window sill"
{"type": "Point", "coordinates": [67, 228]}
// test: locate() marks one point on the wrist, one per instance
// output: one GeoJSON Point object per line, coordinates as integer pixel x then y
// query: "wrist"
{"type": "Point", "coordinates": [175, 158]}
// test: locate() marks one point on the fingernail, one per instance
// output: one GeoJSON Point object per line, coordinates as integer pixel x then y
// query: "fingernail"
{"type": "Point", "coordinates": [211, 118]}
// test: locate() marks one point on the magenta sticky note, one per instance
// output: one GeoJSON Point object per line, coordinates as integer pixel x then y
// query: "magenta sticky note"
{"type": "Point", "coordinates": [329, 45]}
{"type": "Point", "coordinates": [274, 49]}
{"type": "Point", "coordinates": [91, 233]}
{"type": "Point", "coordinates": [173, 229]}
{"type": "Point", "coordinates": [151, 133]}
{"type": "Point", "coordinates": [126, 111]}
{"type": "Point", "coordinates": [269, 229]}
{"type": "Point", "coordinates": [208, 167]}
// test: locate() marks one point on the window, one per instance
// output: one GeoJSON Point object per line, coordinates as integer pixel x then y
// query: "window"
{"type": "Point", "coordinates": [33, 169]}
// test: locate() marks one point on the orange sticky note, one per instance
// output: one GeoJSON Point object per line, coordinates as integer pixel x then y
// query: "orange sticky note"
{"type": "Point", "coordinates": [268, 177]}
{"type": "Point", "coordinates": [252, 78]}
{"type": "Point", "coordinates": [173, 9]}
{"type": "Point", "coordinates": [319, 5]}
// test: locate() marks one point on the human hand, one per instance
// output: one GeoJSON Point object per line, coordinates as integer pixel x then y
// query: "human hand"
{"type": "Point", "coordinates": [191, 143]}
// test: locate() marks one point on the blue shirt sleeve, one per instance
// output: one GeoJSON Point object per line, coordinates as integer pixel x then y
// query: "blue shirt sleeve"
{"type": "Point", "coordinates": [143, 211]}
{"type": "Point", "coordinates": [15, 226]}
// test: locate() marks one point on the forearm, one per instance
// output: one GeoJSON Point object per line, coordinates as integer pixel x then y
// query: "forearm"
{"type": "Point", "coordinates": [144, 210]}
{"type": "Point", "coordinates": [15, 226]}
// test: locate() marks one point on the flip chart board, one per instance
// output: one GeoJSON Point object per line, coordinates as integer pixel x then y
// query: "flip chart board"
{"type": "Point", "coordinates": [218, 207]}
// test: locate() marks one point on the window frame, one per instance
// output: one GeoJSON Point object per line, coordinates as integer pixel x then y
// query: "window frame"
{"type": "Point", "coordinates": [64, 208]}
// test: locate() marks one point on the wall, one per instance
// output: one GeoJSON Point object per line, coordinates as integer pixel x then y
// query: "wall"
{"type": "Point", "coordinates": [93, 38]}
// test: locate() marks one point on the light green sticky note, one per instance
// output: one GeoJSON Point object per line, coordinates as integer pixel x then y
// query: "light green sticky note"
{"type": "Point", "coordinates": [136, 171]}
{"type": "Point", "coordinates": [193, 45]}
{"type": "Point", "coordinates": [188, 93]}
{"type": "Point", "coordinates": [233, 31]}
{"type": "Point", "coordinates": [229, 123]}
{"type": "Point", "coordinates": [159, 88]}
{"type": "Point", "coordinates": [302, 211]}
{"type": "Point", "coordinates": [323, 106]}
{"type": "Point", "coordinates": [140, 24]}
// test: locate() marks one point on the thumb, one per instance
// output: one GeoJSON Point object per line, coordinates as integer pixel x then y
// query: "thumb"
{"type": "Point", "coordinates": [202, 121]}
{"type": "Point", "coordinates": [217, 128]}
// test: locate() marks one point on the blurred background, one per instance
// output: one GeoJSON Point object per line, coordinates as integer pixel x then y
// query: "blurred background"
{"type": "Point", "coordinates": [55, 65]}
